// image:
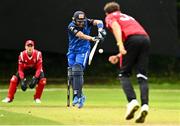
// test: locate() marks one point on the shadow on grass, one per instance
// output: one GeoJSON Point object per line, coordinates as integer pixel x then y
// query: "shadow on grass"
{"type": "Point", "coordinates": [12, 118]}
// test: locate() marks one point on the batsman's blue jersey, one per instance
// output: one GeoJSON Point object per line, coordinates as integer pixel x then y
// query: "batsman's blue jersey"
{"type": "Point", "coordinates": [78, 50]}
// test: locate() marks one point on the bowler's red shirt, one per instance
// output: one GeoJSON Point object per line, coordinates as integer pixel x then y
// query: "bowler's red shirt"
{"type": "Point", "coordinates": [128, 24]}
{"type": "Point", "coordinates": [30, 62]}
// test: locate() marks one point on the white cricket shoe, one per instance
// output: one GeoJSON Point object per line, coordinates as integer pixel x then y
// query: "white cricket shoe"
{"type": "Point", "coordinates": [6, 100]}
{"type": "Point", "coordinates": [38, 101]}
{"type": "Point", "coordinates": [132, 107]}
{"type": "Point", "coordinates": [143, 113]}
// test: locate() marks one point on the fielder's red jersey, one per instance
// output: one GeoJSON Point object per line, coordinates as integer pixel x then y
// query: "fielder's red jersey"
{"type": "Point", "coordinates": [129, 26]}
{"type": "Point", "coordinates": [34, 62]}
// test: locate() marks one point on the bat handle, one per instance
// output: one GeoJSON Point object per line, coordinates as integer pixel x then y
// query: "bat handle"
{"type": "Point", "coordinates": [98, 40]}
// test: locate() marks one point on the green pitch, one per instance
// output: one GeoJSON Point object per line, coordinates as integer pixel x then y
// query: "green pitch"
{"type": "Point", "coordinates": [104, 106]}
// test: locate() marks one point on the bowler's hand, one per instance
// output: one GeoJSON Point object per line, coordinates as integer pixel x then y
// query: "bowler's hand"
{"type": "Point", "coordinates": [113, 59]}
{"type": "Point", "coordinates": [122, 50]}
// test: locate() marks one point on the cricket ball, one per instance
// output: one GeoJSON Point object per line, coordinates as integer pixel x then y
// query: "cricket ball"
{"type": "Point", "coordinates": [101, 50]}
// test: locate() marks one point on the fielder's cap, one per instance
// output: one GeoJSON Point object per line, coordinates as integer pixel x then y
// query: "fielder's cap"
{"type": "Point", "coordinates": [29, 42]}
{"type": "Point", "coordinates": [79, 16]}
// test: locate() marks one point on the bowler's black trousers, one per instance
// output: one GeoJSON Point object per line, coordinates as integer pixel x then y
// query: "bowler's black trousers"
{"type": "Point", "coordinates": [137, 47]}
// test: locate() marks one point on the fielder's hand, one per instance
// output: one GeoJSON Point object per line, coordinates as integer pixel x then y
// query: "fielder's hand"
{"type": "Point", "coordinates": [23, 84]}
{"type": "Point", "coordinates": [113, 59]}
{"type": "Point", "coordinates": [33, 82]}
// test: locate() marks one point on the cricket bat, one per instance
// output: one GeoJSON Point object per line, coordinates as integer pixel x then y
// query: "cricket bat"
{"type": "Point", "coordinates": [91, 55]}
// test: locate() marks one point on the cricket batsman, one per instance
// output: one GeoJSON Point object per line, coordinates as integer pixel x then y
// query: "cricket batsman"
{"type": "Point", "coordinates": [79, 37]}
{"type": "Point", "coordinates": [29, 63]}
{"type": "Point", "coordinates": [134, 43]}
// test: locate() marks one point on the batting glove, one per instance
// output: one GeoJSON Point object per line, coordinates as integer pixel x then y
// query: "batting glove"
{"type": "Point", "coordinates": [96, 38]}
{"type": "Point", "coordinates": [101, 34]}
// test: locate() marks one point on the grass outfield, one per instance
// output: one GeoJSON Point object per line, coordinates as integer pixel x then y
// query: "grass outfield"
{"type": "Point", "coordinates": [104, 106]}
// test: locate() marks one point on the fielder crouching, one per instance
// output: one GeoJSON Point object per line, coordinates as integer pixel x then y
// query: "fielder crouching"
{"type": "Point", "coordinates": [29, 63]}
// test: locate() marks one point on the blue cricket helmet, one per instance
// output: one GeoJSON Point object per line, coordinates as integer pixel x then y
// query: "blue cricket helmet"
{"type": "Point", "coordinates": [79, 16]}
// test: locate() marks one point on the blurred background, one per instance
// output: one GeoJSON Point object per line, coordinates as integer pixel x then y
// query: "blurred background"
{"type": "Point", "coordinates": [46, 21]}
